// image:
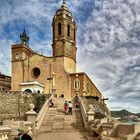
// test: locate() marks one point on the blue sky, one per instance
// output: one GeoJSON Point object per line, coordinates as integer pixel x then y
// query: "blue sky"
{"type": "Point", "coordinates": [108, 41]}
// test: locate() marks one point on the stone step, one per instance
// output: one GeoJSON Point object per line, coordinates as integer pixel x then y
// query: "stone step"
{"type": "Point", "coordinates": [60, 130]}
{"type": "Point", "coordinates": [62, 135]}
{"type": "Point", "coordinates": [57, 121]}
{"type": "Point", "coordinates": [137, 137]}
{"type": "Point", "coordinates": [115, 138]}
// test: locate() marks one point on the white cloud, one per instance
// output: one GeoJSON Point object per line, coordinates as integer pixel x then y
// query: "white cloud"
{"type": "Point", "coordinates": [111, 40]}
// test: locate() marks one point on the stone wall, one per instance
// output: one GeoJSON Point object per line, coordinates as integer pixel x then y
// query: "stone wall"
{"type": "Point", "coordinates": [13, 105]}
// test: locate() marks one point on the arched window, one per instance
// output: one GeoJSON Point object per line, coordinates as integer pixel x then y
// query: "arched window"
{"type": "Point", "coordinates": [87, 87]}
{"type": "Point", "coordinates": [74, 35]}
{"type": "Point", "coordinates": [54, 31]}
{"type": "Point", "coordinates": [68, 30]}
{"type": "Point", "coordinates": [77, 84]}
{"type": "Point", "coordinates": [59, 28]}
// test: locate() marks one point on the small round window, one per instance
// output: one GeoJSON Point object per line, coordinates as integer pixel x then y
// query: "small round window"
{"type": "Point", "coordinates": [36, 72]}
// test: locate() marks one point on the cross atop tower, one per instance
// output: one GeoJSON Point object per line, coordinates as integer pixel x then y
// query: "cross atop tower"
{"type": "Point", "coordinates": [64, 1]}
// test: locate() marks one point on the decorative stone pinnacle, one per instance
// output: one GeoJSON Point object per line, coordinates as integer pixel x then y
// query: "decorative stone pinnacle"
{"type": "Point", "coordinates": [24, 38]}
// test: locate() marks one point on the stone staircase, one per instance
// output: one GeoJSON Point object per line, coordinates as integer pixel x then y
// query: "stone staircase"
{"type": "Point", "coordinates": [58, 125]}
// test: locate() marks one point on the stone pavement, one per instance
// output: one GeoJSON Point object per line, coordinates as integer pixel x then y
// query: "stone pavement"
{"type": "Point", "coordinates": [60, 126]}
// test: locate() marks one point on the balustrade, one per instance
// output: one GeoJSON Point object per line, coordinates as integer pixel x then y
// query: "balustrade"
{"type": "Point", "coordinates": [42, 113]}
{"type": "Point", "coordinates": [83, 112]}
{"type": "Point", "coordinates": [4, 133]}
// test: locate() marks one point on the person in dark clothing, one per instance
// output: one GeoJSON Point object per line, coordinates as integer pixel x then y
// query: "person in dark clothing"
{"type": "Point", "coordinates": [26, 137]}
{"type": "Point", "coordinates": [51, 104]}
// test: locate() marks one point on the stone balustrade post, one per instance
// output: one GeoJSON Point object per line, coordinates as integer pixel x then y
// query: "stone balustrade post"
{"type": "Point", "coordinates": [4, 132]}
{"type": "Point", "coordinates": [91, 113]}
{"type": "Point", "coordinates": [31, 114]}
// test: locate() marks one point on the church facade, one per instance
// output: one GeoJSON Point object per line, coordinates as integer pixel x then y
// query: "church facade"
{"type": "Point", "coordinates": [38, 73]}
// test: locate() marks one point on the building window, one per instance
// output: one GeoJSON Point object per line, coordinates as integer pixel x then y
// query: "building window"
{"type": "Point", "coordinates": [87, 87]}
{"type": "Point", "coordinates": [59, 28]}
{"type": "Point", "coordinates": [28, 90]}
{"type": "Point", "coordinates": [74, 35]}
{"type": "Point", "coordinates": [68, 30]}
{"type": "Point", "coordinates": [76, 84]}
{"type": "Point", "coordinates": [54, 31]}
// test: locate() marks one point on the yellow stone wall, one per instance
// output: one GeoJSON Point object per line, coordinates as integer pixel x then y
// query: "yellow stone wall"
{"type": "Point", "coordinates": [69, 65]}
{"type": "Point", "coordinates": [17, 75]}
{"type": "Point", "coordinates": [22, 71]}
{"type": "Point", "coordinates": [61, 77]}
{"type": "Point", "coordinates": [90, 88]}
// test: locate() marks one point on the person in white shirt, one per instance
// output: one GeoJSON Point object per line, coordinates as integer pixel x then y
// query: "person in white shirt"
{"type": "Point", "coordinates": [62, 94]}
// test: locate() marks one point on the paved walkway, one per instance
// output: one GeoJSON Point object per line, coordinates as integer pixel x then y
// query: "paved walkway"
{"type": "Point", "coordinates": [59, 126]}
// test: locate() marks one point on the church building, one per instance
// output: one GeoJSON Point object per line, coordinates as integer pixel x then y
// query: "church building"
{"type": "Point", "coordinates": [34, 72]}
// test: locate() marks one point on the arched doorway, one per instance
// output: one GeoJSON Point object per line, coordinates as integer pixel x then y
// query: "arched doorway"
{"type": "Point", "coordinates": [28, 90]}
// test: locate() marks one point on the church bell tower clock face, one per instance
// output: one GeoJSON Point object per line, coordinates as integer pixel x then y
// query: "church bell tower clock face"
{"type": "Point", "coordinates": [17, 56]}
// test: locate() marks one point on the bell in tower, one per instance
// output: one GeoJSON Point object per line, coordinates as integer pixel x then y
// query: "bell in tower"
{"type": "Point", "coordinates": [64, 33]}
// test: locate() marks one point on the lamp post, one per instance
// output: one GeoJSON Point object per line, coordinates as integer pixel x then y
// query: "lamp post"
{"type": "Point", "coordinates": [20, 101]}
{"type": "Point", "coordinates": [77, 85]}
{"type": "Point", "coordinates": [53, 82]}
{"type": "Point", "coordinates": [105, 99]}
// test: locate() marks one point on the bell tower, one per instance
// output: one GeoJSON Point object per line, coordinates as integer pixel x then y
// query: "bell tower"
{"type": "Point", "coordinates": [64, 33]}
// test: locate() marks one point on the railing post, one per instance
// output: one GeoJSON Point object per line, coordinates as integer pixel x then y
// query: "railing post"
{"type": "Point", "coordinates": [6, 137]}
{"type": "Point", "coordinates": [4, 131]}
{"type": "Point", "coordinates": [31, 114]}
{"type": "Point", "coordinates": [0, 135]}
{"type": "Point", "coordinates": [91, 113]}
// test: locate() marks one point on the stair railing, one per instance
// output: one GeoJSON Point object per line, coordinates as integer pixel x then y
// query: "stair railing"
{"type": "Point", "coordinates": [42, 113]}
{"type": "Point", "coordinates": [83, 113]}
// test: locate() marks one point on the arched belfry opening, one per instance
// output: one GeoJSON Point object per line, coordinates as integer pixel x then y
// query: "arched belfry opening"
{"type": "Point", "coordinates": [59, 28]}
{"type": "Point", "coordinates": [68, 30]}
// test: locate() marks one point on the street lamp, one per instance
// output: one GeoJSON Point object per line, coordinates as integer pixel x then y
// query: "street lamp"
{"type": "Point", "coordinates": [105, 99]}
{"type": "Point", "coordinates": [53, 81]}
{"type": "Point", "coordinates": [76, 85]}
{"type": "Point", "coordinates": [107, 113]}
